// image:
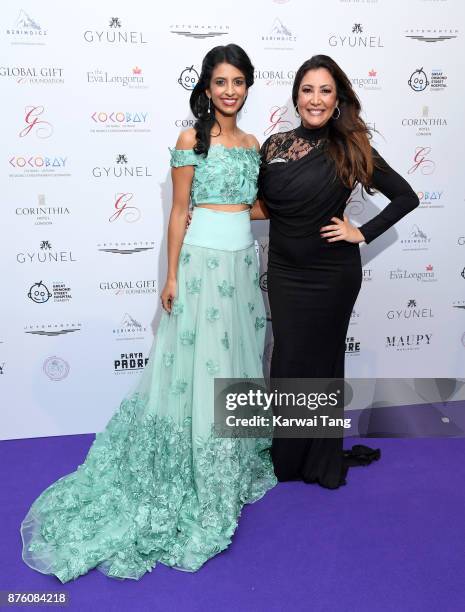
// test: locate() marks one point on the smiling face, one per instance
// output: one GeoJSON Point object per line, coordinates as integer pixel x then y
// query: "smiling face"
{"type": "Point", "coordinates": [227, 89]}
{"type": "Point", "coordinates": [317, 98]}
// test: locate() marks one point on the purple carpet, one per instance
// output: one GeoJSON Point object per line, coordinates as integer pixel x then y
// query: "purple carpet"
{"type": "Point", "coordinates": [392, 539]}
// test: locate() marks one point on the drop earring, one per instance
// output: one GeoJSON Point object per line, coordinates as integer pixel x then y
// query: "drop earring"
{"type": "Point", "coordinates": [209, 105]}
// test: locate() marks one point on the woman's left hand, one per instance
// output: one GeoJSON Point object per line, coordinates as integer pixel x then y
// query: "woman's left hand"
{"type": "Point", "coordinates": [341, 230]}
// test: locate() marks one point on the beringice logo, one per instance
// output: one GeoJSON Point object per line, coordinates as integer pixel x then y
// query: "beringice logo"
{"type": "Point", "coordinates": [418, 80]}
{"type": "Point", "coordinates": [35, 124]}
{"type": "Point", "coordinates": [26, 30]}
{"type": "Point", "coordinates": [56, 368]}
{"type": "Point", "coordinates": [126, 248]}
{"type": "Point", "coordinates": [422, 161]}
{"type": "Point", "coordinates": [130, 214]}
{"type": "Point", "coordinates": [431, 35]}
{"type": "Point", "coordinates": [189, 78]}
{"type": "Point", "coordinates": [279, 36]}
{"type": "Point", "coordinates": [199, 32]}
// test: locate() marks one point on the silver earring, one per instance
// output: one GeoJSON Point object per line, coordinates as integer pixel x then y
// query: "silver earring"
{"type": "Point", "coordinates": [209, 105]}
{"type": "Point", "coordinates": [297, 114]}
{"type": "Point", "coordinates": [338, 113]}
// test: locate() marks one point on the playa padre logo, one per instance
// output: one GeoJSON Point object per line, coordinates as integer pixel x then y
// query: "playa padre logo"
{"type": "Point", "coordinates": [129, 329]}
{"type": "Point", "coordinates": [121, 169]}
{"type": "Point", "coordinates": [419, 81]}
{"type": "Point", "coordinates": [37, 165]}
{"type": "Point", "coordinates": [42, 213]}
{"type": "Point", "coordinates": [417, 240]}
{"type": "Point", "coordinates": [111, 122]}
{"type": "Point", "coordinates": [115, 35]}
{"type": "Point", "coordinates": [31, 75]}
{"type": "Point", "coordinates": [35, 124]}
{"type": "Point", "coordinates": [369, 82]}
{"type": "Point", "coordinates": [124, 210]}
{"type": "Point", "coordinates": [431, 35]}
{"type": "Point", "coordinates": [39, 292]}
{"type": "Point", "coordinates": [358, 37]}
{"type": "Point", "coordinates": [52, 329]}
{"type": "Point", "coordinates": [127, 363]}
{"type": "Point", "coordinates": [26, 31]}
{"type": "Point", "coordinates": [425, 124]}
{"type": "Point", "coordinates": [45, 254]}
{"type": "Point", "coordinates": [126, 248]}
{"type": "Point", "coordinates": [133, 80]}
{"type": "Point", "coordinates": [199, 32]}
{"type": "Point", "coordinates": [279, 36]}
{"type": "Point", "coordinates": [352, 346]}
{"type": "Point", "coordinates": [188, 78]}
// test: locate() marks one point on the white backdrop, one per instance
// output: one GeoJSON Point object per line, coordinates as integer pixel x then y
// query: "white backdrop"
{"type": "Point", "coordinates": [92, 96]}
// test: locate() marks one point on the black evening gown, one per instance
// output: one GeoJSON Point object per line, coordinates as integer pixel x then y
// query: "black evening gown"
{"type": "Point", "coordinates": [313, 284]}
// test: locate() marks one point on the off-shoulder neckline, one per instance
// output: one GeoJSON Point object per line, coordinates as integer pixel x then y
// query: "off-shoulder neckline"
{"type": "Point", "coordinates": [223, 146]}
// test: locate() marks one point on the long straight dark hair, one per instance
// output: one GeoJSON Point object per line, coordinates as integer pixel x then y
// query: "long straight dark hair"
{"type": "Point", "coordinates": [229, 54]}
{"type": "Point", "coordinates": [349, 136]}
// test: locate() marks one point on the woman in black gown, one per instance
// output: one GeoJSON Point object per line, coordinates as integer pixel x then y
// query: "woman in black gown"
{"type": "Point", "coordinates": [314, 267]}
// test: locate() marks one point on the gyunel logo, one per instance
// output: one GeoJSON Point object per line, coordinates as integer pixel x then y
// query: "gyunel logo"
{"type": "Point", "coordinates": [115, 35]}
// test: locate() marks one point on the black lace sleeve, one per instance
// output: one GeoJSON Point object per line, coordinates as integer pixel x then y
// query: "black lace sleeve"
{"type": "Point", "coordinates": [395, 187]}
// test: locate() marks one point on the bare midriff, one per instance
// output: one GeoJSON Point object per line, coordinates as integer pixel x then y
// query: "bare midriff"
{"type": "Point", "coordinates": [225, 207]}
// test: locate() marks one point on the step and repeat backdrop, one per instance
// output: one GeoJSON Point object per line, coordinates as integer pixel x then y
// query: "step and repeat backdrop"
{"type": "Point", "coordinates": [93, 94]}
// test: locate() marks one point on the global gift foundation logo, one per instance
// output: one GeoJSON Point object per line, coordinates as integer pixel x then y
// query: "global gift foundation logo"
{"type": "Point", "coordinates": [32, 75]}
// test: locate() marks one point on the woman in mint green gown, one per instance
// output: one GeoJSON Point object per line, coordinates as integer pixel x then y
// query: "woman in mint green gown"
{"type": "Point", "coordinates": [157, 485]}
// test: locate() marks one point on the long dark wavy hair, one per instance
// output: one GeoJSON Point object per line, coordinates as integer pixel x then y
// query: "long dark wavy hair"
{"type": "Point", "coordinates": [229, 54]}
{"type": "Point", "coordinates": [349, 136]}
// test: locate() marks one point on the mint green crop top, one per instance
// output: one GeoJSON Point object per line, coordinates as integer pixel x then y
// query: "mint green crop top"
{"type": "Point", "coordinates": [225, 176]}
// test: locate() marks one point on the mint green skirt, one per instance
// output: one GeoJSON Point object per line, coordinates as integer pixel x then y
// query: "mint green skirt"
{"type": "Point", "coordinates": [157, 485]}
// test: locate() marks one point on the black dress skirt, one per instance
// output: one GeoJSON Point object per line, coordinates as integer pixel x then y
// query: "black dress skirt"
{"type": "Point", "coordinates": [313, 284]}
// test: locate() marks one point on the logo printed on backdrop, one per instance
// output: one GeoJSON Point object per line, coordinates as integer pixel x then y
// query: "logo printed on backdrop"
{"type": "Point", "coordinates": [188, 78]}
{"type": "Point", "coordinates": [129, 287]}
{"type": "Point", "coordinates": [184, 123]}
{"type": "Point", "coordinates": [354, 316]}
{"type": "Point", "coordinates": [462, 273]}
{"type": "Point", "coordinates": [130, 214]}
{"type": "Point", "coordinates": [408, 342]}
{"type": "Point", "coordinates": [411, 311]}
{"type": "Point", "coordinates": [417, 240]}
{"type": "Point", "coordinates": [200, 32]}
{"type": "Point", "coordinates": [129, 329]}
{"type": "Point", "coordinates": [39, 127]}
{"type": "Point", "coordinates": [431, 35]}
{"type": "Point", "coordinates": [133, 80]}
{"type": "Point", "coordinates": [367, 274]}
{"type": "Point", "coordinates": [26, 31]}
{"type": "Point", "coordinates": [39, 293]}
{"type": "Point", "coordinates": [422, 161]}
{"type": "Point", "coordinates": [425, 276]}
{"type": "Point", "coordinates": [119, 122]}
{"type": "Point", "coordinates": [56, 368]}
{"type": "Point", "coordinates": [277, 120]}
{"type": "Point", "coordinates": [126, 248]}
{"type": "Point", "coordinates": [463, 339]}
{"type": "Point", "coordinates": [38, 166]}
{"type": "Point", "coordinates": [357, 37]}
{"type": "Point", "coordinates": [114, 35]}
{"type": "Point", "coordinates": [370, 82]}
{"type": "Point", "coordinates": [419, 81]}
{"type": "Point", "coordinates": [425, 123]}
{"type": "Point", "coordinates": [461, 240]}
{"type": "Point", "coordinates": [460, 304]}
{"type": "Point", "coordinates": [279, 37]}
{"type": "Point", "coordinates": [45, 75]}
{"type": "Point", "coordinates": [120, 169]}
{"type": "Point", "coordinates": [45, 255]}
{"type": "Point", "coordinates": [352, 346]}
{"type": "Point", "coordinates": [2, 367]}
{"type": "Point", "coordinates": [430, 199]}
{"type": "Point", "coordinates": [41, 214]}
{"type": "Point", "coordinates": [127, 363]}
{"type": "Point", "coordinates": [52, 329]}
{"type": "Point", "coordinates": [273, 77]}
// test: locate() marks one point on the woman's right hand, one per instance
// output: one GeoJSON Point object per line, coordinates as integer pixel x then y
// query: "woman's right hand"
{"type": "Point", "coordinates": [168, 295]}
